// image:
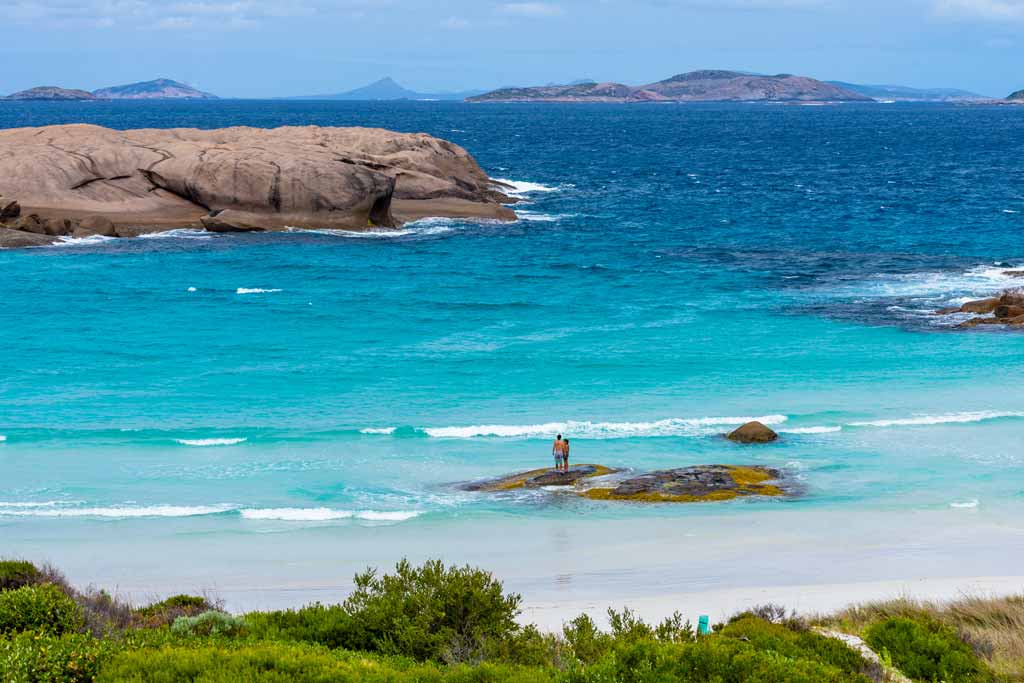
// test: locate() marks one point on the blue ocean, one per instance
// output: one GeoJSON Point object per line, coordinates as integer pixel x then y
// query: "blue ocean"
{"type": "Point", "coordinates": [263, 415]}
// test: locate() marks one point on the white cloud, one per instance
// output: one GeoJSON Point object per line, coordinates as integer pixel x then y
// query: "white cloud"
{"type": "Point", "coordinates": [174, 23]}
{"type": "Point", "coordinates": [455, 23]}
{"type": "Point", "coordinates": [989, 10]}
{"type": "Point", "coordinates": [531, 9]}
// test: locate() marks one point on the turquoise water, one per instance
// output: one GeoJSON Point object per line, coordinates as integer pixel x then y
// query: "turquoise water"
{"type": "Point", "coordinates": [274, 411]}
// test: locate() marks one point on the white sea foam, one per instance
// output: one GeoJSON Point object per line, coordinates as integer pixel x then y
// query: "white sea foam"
{"type": "Point", "coordinates": [91, 240]}
{"type": "Point", "coordinates": [947, 418]}
{"type": "Point", "coordinates": [521, 188]}
{"type": "Point", "coordinates": [602, 430]}
{"type": "Point", "coordinates": [255, 290]}
{"type": "Point", "coordinates": [537, 217]}
{"type": "Point", "coordinates": [118, 512]}
{"type": "Point", "coordinates": [1010, 211]}
{"type": "Point", "coordinates": [324, 514]}
{"type": "Point", "coordinates": [191, 289]}
{"type": "Point", "coordinates": [964, 504]}
{"type": "Point", "coordinates": [21, 504]}
{"type": "Point", "coordinates": [2, 438]}
{"type": "Point", "coordinates": [377, 430]}
{"type": "Point", "coordinates": [969, 284]}
{"type": "Point", "coordinates": [179, 233]}
{"type": "Point", "coordinates": [811, 430]}
{"type": "Point", "coordinates": [212, 442]}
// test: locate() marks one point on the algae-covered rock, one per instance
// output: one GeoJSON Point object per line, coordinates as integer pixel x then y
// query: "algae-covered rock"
{"type": "Point", "coordinates": [752, 432]}
{"type": "Point", "coordinates": [702, 483]}
{"type": "Point", "coordinates": [538, 478]}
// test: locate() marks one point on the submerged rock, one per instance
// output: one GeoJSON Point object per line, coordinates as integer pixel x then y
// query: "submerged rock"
{"type": "Point", "coordinates": [703, 483]}
{"type": "Point", "coordinates": [238, 178]}
{"type": "Point", "coordinates": [752, 432]}
{"type": "Point", "coordinates": [538, 478]}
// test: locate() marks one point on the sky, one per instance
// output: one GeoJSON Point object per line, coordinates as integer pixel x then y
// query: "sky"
{"type": "Point", "coordinates": [265, 48]}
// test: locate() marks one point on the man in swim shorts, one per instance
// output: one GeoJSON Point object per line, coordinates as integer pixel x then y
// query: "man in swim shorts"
{"type": "Point", "coordinates": [558, 451]}
{"type": "Point", "coordinates": [565, 455]}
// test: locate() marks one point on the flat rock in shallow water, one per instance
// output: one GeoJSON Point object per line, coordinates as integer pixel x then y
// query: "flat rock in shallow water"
{"type": "Point", "coordinates": [702, 483]}
{"type": "Point", "coordinates": [538, 478]}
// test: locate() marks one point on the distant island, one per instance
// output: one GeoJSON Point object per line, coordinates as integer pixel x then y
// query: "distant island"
{"type": "Point", "coordinates": [695, 86]}
{"type": "Point", "coordinates": [52, 93]}
{"type": "Point", "coordinates": [902, 93]}
{"type": "Point", "coordinates": [1017, 96]}
{"type": "Point", "coordinates": [158, 89]}
{"type": "Point", "coordinates": [387, 89]}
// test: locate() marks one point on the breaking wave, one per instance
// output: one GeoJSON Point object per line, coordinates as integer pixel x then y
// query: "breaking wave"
{"type": "Point", "coordinates": [255, 290]}
{"type": "Point", "coordinates": [231, 441]}
{"type": "Point", "coordinates": [964, 504]}
{"type": "Point", "coordinates": [811, 430]}
{"type": "Point", "coordinates": [521, 188]}
{"type": "Point", "coordinates": [602, 430]}
{"type": "Point", "coordinates": [115, 512]}
{"type": "Point", "coordinates": [325, 514]}
{"type": "Point", "coordinates": [948, 418]}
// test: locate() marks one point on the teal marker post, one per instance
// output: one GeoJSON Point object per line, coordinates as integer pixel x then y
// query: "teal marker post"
{"type": "Point", "coordinates": [702, 625]}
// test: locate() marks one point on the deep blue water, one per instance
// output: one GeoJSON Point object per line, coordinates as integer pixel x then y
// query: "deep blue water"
{"type": "Point", "coordinates": [675, 269]}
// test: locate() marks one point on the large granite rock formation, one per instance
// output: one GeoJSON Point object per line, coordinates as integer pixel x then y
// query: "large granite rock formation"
{"type": "Point", "coordinates": [51, 93]}
{"type": "Point", "coordinates": [236, 179]}
{"type": "Point", "coordinates": [703, 483]}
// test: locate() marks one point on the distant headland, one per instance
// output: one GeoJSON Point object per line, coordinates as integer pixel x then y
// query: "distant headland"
{"type": "Point", "coordinates": [695, 86]}
{"type": "Point", "coordinates": [158, 89]}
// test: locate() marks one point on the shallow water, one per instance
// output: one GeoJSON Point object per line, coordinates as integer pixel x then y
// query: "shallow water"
{"type": "Point", "coordinates": [274, 411]}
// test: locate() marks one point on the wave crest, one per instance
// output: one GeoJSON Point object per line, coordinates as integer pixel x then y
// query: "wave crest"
{"type": "Point", "coordinates": [230, 441]}
{"type": "Point", "coordinates": [602, 430]}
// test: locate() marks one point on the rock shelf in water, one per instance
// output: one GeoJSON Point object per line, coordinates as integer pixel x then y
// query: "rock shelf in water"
{"type": "Point", "coordinates": [538, 478]}
{"type": "Point", "coordinates": [700, 483]}
{"type": "Point", "coordinates": [81, 180]}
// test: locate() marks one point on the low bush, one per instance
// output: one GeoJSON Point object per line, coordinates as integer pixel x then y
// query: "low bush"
{"type": "Point", "coordinates": [712, 658]}
{"type": "Point", "coordinates": [322, 624]}
{"type": "Point", "coordinates": [926, 650]}
{"type": "Point", "coordinates": [295, 663]}
{"type": "Point", "coordinates": [787, 642]}
{"type": "Point", "coordinates": [165, 612]}
{"type": "Point", "coordinates": [17, 573]}
{"type": "Point", "coordinates": [210, 623]}
{"type": "Point", "coordinates": [43, 608]}
{"type": "Point", "coordinates": [34, 657]}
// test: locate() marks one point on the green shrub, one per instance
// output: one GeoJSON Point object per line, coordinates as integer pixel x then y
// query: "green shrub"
{"type": "Point", "coordinates": [184, 603]}
{"type": "Point", "coordinates": [295, 663]}
{"type": "Point", "coordinates": [926, 650]}
{"type": "Point", "coordinates": [210, 623]}
{"type": "Point", "coordinates": [33, 657]}
{"type": "Point", "coordinates": [586, 642]}
{"type": "Point", "coordinates": [783, 640]}
{"type": "Point", "coordinates": [316, 623]}
{"type": "Point", "coordinates": [713, 658]}
{"type": "Point", "coordinates": [17, 573]}
{"type": "Point", "coordinates": [429, 612]}
{"type": "Point", "coordinates": [39, 608]}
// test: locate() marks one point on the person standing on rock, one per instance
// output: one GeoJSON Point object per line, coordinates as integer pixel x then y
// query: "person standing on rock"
{"type": "Point", "coordinates": [565, 455]}
{"type": "Point", "coordinates": [558, 451]}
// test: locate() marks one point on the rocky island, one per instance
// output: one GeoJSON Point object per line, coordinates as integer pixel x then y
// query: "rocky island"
{"type": "Point", "coordinates": [697, 484]}
{"type": "Point", "coordinates": [696, 86]}
{"type": "Point", "coordinates": [83, 180]}
{"type": "Point", "coordinates": [51, 93]}
{"type": "Point", "coordinates": [1017, 96]}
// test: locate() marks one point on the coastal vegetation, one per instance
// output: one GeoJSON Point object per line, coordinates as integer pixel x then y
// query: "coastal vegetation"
{"type": "Point", "coordinates": [437, 623]}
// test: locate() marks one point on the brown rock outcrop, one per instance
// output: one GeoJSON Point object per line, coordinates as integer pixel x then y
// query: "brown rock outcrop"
{"type": "Point", "coordinates": [752, 432]}
{"type": "Point", "coordinates": [238, 178]}
{"type": "Point", "coordinates": [1006, 309]}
